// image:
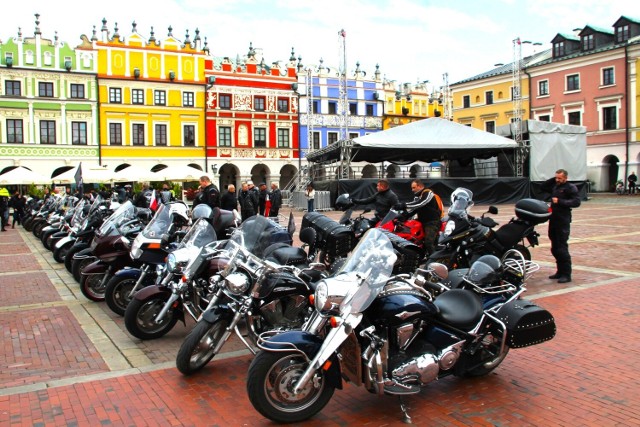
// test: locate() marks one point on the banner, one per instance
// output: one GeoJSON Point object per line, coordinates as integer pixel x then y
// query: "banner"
{"type": "Point", "coordinates": [78, 178]}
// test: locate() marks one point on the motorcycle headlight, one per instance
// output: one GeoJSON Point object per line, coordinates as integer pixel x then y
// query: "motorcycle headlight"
{"type": "Point", "coordinates": [237, 283]}
{"type": "Point", "coordinates": [172, 262]}
{"type": "Point", "coordinates": [448, 229]}
{"type": "Point", "coordinates": [321, 296]}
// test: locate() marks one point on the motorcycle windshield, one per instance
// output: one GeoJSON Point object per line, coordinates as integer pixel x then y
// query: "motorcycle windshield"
{"type": "Point", "coordinates": [95, 205]}
{"type": "Point", "coordinates": [369, 267]}
{"type": "Point", "coordinates": [78, 214]}
{"type": "Point", "coordinates": [124, 213]}
{"type": "Point", "coordinates": [159, 224]}
{"type": "Point", "coordinates": [390, 216]}
{"type": "Point", "coordinates": [458, 208]}
{"type": "Point", "coordinates": [346, 216]}
{"type": "Point", "coordinates": [256, 234]}
{"type": "Point", "coordinates": [200, 234]}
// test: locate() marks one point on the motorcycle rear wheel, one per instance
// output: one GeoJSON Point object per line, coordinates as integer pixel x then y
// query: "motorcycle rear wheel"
{"type": "Point", "coordinates": [117, 292]}
{"type": "Point", "coordinates": [197, 349]}
{"type": "Point", "coordinates": [270, 383]}
{"type": "Point", "coordinates": [92, 287]}
{"type": "Point", "coordinates": [140, 314]}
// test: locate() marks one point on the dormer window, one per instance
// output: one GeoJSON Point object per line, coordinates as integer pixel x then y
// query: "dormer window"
{"type": "Point", "coordinates": [622, 33]}
{"type": "Point", "coordinates": [558, 49]}
{"type": "Point", "coordinates": [588, 42]}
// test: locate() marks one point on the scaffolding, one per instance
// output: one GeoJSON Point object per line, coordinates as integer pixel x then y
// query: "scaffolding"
{"type": "Point", "coordinates": [447, 102]}
{"type": "Point", "coordinates": [516, 77]}
{"type": "Point", "coordinates": [343, 105]}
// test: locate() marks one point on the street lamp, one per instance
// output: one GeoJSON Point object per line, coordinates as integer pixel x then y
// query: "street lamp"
{"type": "Point", "coordinates": [214, 169]}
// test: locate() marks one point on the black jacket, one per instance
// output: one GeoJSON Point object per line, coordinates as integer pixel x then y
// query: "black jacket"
{"type": "Point", "coordinates": [384, 201]}
{"type": "Point", "coordinates": [248, 203]}
{"type": "Point", "coordinates": [229, 201]}
{"type": "Point", "coordinates": [276, 198]}
{"type": "Point", "coordinates": [208, 195]}
{"type": "Point", "coordinates": [425, 206]}
{"type": "Point", "coordinates": [568, 197]}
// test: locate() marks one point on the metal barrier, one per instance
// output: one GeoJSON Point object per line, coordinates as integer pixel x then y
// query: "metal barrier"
{"type": "Point", "coordinates": [322, 200]}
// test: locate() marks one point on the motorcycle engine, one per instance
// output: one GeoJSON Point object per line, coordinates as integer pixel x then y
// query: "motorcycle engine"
{"type": "Point", "coordinates": [285, 313]}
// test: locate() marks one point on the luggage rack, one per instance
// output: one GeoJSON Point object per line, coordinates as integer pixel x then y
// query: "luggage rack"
{"type": "Point", "coordinates": [523, 267]}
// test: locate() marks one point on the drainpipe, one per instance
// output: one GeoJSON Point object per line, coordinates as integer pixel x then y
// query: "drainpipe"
{"type": "Point", "coordinates": [97, 119]}
{"type": "Point", "coordinates": [626, 112]}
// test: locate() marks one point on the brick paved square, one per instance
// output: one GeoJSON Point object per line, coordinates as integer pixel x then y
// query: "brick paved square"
{"type": "Point", "coordinates": [19, 289]}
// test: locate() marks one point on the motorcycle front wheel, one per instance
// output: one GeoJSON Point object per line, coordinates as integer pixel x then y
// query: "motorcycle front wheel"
{"type": "Point", "coordinates": [68, 258]}
{"type": "Point", "coordinates": [139, 317]}
{"type": "Point", "coordinates": [198, 347]}
{"type": "Point", "coordinates": [270, 383]}
{"type": "Point", "coordinates": [77, 265]}
{"type": "Point", "coordinates": [92, 286]}
{"type": "Point", "coordinates": [59, 254]}
{"type": "Point", "coordinates": [47, 237]}
{"type": "Point", "coordinates": [117, 293]}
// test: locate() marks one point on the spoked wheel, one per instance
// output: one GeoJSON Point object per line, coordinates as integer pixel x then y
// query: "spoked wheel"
{"type": "Point", "coordinates": [117, 293]}
{"type": "Point", "coordinates": [77, 265]}
{"type": "Point", "coordinates": [139, 317]}
{"type": "Point", "coordinates": [93, 286]}
{"type": "Point", "coordinates": [68, 258]}
{"type": "Point", "coordinates": [270, 383]}
{"type": "Point", "coordinates": [198, 347]}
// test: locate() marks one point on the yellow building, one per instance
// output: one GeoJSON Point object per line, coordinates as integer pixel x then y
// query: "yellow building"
{"type": "Point", "coordinates": [151, 97]}
{"type": "Point", "coordinates": [408, 103]}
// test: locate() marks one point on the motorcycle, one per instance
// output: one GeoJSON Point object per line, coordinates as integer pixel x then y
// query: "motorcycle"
{"type": "Point", "coordinates": [387, 333]}
{"type": "Point", "coordinates": [260, 288]}
{"type": "Point", "coordinates": [148, 253]}
{"type": "Point", "coordinates": [465, 238]}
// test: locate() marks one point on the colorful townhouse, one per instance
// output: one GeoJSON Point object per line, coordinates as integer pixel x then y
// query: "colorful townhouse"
{"type": "Point", "coordinates": [151, 97]}
{"type": "Point", "coordinates": [322, 112]}
{"type": "Point", "coordinates": [48, 104]}
{"type": "Point", "coordinates": [408, 103]}
{"type": "Point", "coordinates": [251, 125]}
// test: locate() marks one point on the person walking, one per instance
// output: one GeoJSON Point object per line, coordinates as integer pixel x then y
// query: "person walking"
{"type": "Point", "coordinates": [229, 200]}
{"type": "Point", "coordinates": [18, 204]}
{"type": "Point", "coordinates": [248, 200]}
{"type": "Point", "coordinates": [632, 179]}
{"type": "Point", "coordinates": [4, 211]}
{"type": "Point", "coordinates": [310, 194]}
{"type": "Point", "coordinates": [427, 206]}
{"type": "Point", "coordinates": [166, 195]}
{"type": "Point", "coordinates": [564, 197]}
{"type": "Point", "coordinates": [276, 200]}
{"type": "Point", "coordinates": [384, 199]}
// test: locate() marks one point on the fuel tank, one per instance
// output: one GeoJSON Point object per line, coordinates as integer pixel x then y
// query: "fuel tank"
{"type": "Point", "coordinates": [398, 308]}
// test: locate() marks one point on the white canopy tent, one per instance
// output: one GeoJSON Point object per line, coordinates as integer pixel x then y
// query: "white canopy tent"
{"type": "Point", "coordinates": [90, 174]}
{"type": "Point", "coordinates": [23, 176]}
{"type": "Point", "coordinates": [134, 174]}
{"type": "Point", "coordinates": [179, 174]}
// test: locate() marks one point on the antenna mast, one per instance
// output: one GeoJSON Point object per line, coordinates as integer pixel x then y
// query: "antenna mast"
{"type": "Point", "coordinates": [345, 152]}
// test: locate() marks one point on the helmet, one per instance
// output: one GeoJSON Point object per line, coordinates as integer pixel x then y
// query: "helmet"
{"type": "Point", "coordinates": [484, 272]}
{"type": "Point", "coordinates": [459, 193]}
{"type": "Point", "coordinates": [343, 202]}
{"type": "Point", "coordinates": [202, 211]}
{"type": "Point", "coordinates": [179, 212]}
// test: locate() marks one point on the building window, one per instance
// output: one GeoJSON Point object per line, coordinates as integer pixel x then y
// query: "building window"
{"type": "Point", "coordinates": [258, 103]}
{"type": "Point", "coordinates": [315, 107]}
{"type": "Point", "coordinates": [466, 101]}
{"type": "Point", "coordinates": [353, 135]}
{"type": "Point", "coordinates": [12, 88]}
{"type": "Point", "coordinates": [260, 137]}
{"type": "Point", "coordinates": [189, 135]}
{"type": "Point", "coordinates": [543, 87]}
{"type": "Point", "coordinates": [333, 107]}
{"type": "Point", "coordinates": [545, 118]}
{"type": "Point", "coordinates": [115, 133]}
{"type": "Point", "coordinates": [316, 140]}
{"type": "Point", "coordinates": [490, 127]}
{"type": "Point", "coordinates": [77, 91]}
{"type": "Point", "coordinates": [573, 82]}
{"type": "Point", "coordinates": [15, 134]}
{"type": "Point", "coordinates": [558, 49]}
{"type": "Point", "coordinates": [47, 132]}
{"type": "Point", "coordinates": [369, 110]}
{"type": "Point", "coordinates": [283, 105]}
{"type": "Point", "coordinates": [225, 102]}
{"type": "Point", "coordinates": [79, 133]}
{"type": "Point", "coordinates": [115, 95]}
{"type": "Point", "coordinates": [609, 118]}
{"type": "Point", "coordinates": [588, 42]}
{"type": "Point", "coordinates": [607, 77]}
{"type": "Point", "coordinates": [160, 97]}
{"type": "Point", "coordinates": [224, 136]}
{"type": "Point", "coordinates": [160, 135]}
{"type": "Point", "coordinates": [488, 97]}
{"type": "Point", "coordinates": [137, 136]}
{"type": "Point", "coordinates": [573, 118]}
{"type": "Point", "coordinates": [353, 109]}
{"type": "Point", "coordinates": [137, 96]}
{"type": "Point", "coordinates": [188, 99]}
{"type": "Point", "coordinates": [45, 89]}
{"type": "Point", "coordinates": [283, 138]}
{"type": "Point", "coordinates": [332, 137]}
{"type": "Point", "coordinates": [622, 33]}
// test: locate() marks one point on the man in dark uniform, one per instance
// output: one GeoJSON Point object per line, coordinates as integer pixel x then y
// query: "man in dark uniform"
{"type": "Point", "coordinates": [428, 210]}
{"type": "Point", "coordinates": [564, 196]}
{"type": "Point", "coordinates": [384, 200]}
{"type": "Point", "coordinates": [209, 193]}
{"type": "Point", "coordinates": [263, 196]}
{"type": "Point", "coordinates": [276, 200]}
{"type": "Point", "coordinates": [632, 179]}
{"type": "Point", "coordinates": [248, 200]}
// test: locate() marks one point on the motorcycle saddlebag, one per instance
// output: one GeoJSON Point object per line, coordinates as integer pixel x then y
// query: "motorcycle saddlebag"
{"type": "Point", "coordinates": [527, 324]}
{"type": "Point", "coordinates": [409, 254]}
{"type": "Point", "coordinates": [335, 238]}
{"type": "Point", "coordinates": [532, 210]}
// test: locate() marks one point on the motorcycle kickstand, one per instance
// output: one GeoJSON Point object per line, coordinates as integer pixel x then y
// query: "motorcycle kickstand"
{"type": "Point", "coordinates": [406, 418]}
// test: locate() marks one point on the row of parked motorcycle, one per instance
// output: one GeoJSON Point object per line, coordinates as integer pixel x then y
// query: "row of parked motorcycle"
{"type": "Point", "coordinates": [356, 302]}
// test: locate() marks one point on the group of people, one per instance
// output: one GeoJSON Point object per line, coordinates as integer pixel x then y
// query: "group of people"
{"type": "Point", "coordinates": [17, 202]}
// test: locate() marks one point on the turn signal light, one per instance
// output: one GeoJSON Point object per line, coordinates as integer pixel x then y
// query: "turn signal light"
{"type": "Point", "coordinates": [326, 365]}
{"type": "Point", "coordinates": [312, 300]}
{"type": "Point", "coordinates": [334, 322]}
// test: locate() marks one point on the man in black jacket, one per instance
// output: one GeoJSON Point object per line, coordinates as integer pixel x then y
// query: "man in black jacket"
{"type": "Point", "coordinates": [209, 193]}
{"type": "Point", "coordinates": [276, 200]}
{"type": "Point", "coordinates": [384, 200]}
{"type": "Point", "coordinates": [428, 211]}
{"type": "Point", "coordinates": [248, 200]}
{"type": "Point", "coordinates": [564, 196]}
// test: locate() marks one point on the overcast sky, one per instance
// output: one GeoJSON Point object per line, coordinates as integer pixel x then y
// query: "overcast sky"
{"type": "Point", "coordinates": [411, 40]}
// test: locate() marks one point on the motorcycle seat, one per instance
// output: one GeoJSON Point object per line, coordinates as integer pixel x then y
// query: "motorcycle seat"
{"type": "Point", "coordinates": [510, 234]}
{"type": "Point", "coordinates": [288, 255]}
{"type": "Point", "coordinates": [459, 308]}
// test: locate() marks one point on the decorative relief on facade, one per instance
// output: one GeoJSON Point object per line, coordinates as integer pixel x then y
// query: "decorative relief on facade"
{"type": "Point", "coordinates": [45, 76]}
{"type": "Point", "coordinates": [261, 152]}
{"type": "Point", "coordinates": [271, 103]}
{"type": "Point", "coordinates": [225, 122]}
{"type": "Point", "coordinates": [242, 101]}
{"type": "Point", "coordinates": [243, 137]}
{"type": "Point", "coordinates": [282, 154]}
{"type": "Point", "coordinates": [46, 114]}
{"type": "Point", "coordinates": [14, 113]}
{"type": "Point", "coordinates": [212, 100]}
{"type": "Point", "coordinates": [294, 105]}
{"type": "Point", "coordinates": [48, 151]}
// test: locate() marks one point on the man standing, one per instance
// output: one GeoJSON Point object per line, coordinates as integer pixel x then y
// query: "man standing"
{"type": "Point", "coordinates": [166, 195]}
{"type": "Point", "coordinates": [263, 196]}
{"type": "Point", "coordinates": [248, 201]}
{"type": "Point", "coordinates": [143, 199]}
{"type": "Point", "coordinates": [209, 193]}
{"type": "Point", "coordinates": [564, 196]}
{"type": "Point", "coordinates": [429, 212]}
{"type": "Point", "coordinates": [384, 200]}
{"type": "Point", "coordinates": [276, 200]}
{"type": "Point", "coordinates": [632, 179]}
{"type": "Point", "coordinates": [4, 211]}
{"type": "Point", "coordinates": [229, 201]}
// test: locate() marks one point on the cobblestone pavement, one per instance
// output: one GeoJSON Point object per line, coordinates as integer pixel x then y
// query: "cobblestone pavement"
{"type": "Point", "coordinates": [67, 361]}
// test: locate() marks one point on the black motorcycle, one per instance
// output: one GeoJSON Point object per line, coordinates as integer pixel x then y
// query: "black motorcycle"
{"type": "Point", "coordinates": [263, 286]}
{"type": "Point", "coordinates": [386, 333]}
{"type": "Point", "coordinates": [465, 238]}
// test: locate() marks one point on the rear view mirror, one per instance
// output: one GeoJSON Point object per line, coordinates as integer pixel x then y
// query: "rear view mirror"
{"type": "Point", "coordinates": [493, 210]}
